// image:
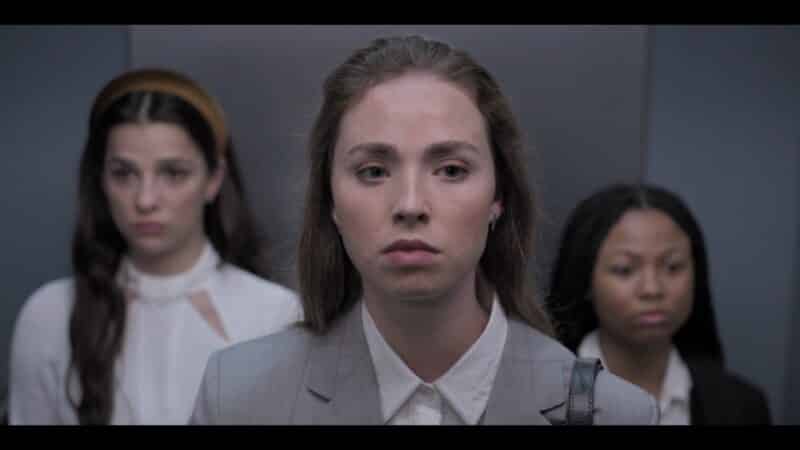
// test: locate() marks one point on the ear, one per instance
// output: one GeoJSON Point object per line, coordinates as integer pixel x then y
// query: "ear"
{"type": "Point", "coordinates": [496, 210]}
{"type": "Point", "coordinates": [215, 181]}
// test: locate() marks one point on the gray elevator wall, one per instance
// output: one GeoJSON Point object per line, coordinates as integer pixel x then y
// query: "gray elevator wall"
{"type": "Point", "coordinates": [724, 132]}
{"type": "Point", "coordinates": [722, 129]}
{"type": "Point", "coordinates": [49, 77]}
{"type": "Point", "coordinates": [577, 91]}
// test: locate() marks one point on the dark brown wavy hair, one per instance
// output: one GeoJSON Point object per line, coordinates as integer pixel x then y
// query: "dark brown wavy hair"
{"type": "Point", "coordinates": [97, 321]}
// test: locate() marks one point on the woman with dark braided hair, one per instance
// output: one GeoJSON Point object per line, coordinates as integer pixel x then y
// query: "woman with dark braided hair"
{"type": "Point", "coordinates": [166, 266]}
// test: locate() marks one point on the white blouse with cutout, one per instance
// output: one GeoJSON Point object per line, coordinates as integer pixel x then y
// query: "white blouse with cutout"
{"type": "Point", "coordinates": [174, 323]}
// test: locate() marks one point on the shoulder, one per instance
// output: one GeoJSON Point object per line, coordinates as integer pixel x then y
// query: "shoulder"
{"type": "Point", "coordinates": [51, 296]}
{"type": "Point", "coordinates": [254, 381]}
{"type": "Point", "coordinates": [741, 386]}
{"type": "Point", "coordinates": [248, 295]}
{"type": "Point", "coordinates": [244, 282]}
{"type": "Point", "coordinates": [619, 402]}
{"type": "Point", "coordinates": [280, 357]}
{"type": "Point", "coordinates": [42, 323]}
{"type": "Point", "coordinates": [707, 375]}
{"type": "Point", "coordinates": [265, 352]}
{"type": "Point", "coordinates": [530, 343]}
{"type": "Point", "coordinates": [725, 394]}
{"type": "Point", "coordinates": [48, 307]}
{"type": "Point", "coordinates": [616, 401]}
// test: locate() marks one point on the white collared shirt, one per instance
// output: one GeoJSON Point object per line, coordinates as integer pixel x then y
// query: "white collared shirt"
{"type": "Point", "coordinates": [407, 400]}
{"type": "Point", "coordinates": [674, 403]}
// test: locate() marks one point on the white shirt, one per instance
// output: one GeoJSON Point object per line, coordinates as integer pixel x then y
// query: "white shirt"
{"type": "Point", "coordinates": [407, 400]}
{"type": "Point", "coordinates": [674, 404]}
{"type": "Point", "coordinates": [173, 325]}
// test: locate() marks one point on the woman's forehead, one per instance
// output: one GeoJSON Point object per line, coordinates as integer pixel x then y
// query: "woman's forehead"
{"type": "Point", "coordinates": [413, 110]}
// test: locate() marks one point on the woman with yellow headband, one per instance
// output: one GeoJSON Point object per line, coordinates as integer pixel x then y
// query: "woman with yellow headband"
{"type": "Point", "coordinates": [166, 266]}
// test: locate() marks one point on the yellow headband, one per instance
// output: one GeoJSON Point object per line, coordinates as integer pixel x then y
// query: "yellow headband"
{"type": "Point", "coordinates": [159, 80]}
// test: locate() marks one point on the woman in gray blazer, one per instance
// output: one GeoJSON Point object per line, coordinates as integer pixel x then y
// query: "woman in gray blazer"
{"type": "Point", "coordinates": [413, 267]}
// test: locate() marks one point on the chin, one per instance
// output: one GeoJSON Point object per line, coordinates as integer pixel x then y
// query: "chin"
{"type": "Point", "coordinates": [407, 288]}
{"type": "Point", "coordinates": [150, 248]}
{"type": "Point", "coordinates": [416, 290]}
{"type": "Point", "coordinates": [654, 339]}
{"type": "Point", "coordinates": [414, 296]}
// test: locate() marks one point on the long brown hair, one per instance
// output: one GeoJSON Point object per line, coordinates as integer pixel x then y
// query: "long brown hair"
{"type": "Point", "coordinates": [97, 321]}
{"type": "Point", "coordinates": [329, 284]}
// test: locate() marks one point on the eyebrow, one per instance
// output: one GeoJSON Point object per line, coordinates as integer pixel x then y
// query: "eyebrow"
{"type": "Point", "coordinates": [668, 252]}
{"type": "Point", "coordinates": [374, 149]}
{"type": "Point", "coordinates": [167, 161]}
{"type": "Point", "coordinates": [437, 150]}
{"type": "Point", "coordinates": [120, 161]}
{"type": "Point", "coordinates": [444, 149]}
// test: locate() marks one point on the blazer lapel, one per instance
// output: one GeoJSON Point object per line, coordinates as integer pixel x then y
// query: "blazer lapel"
{"type": "Point", "coordinates": [529, 381]}
{"type": "Point", "coordinates": [701, 396]}
{"type": "Point", "coordinates": [341, 374]}
{"type": "Point", "coordinates": [528, 384]}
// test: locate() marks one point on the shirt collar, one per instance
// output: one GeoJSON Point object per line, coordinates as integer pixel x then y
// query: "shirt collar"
{"type": "Point", "coordinates": [677, 381]}
{"type": "Point", "coordinates": [590, 348]}
{"type": "Point", "coordinates": [465, 386]}
{"type": "Point", "coordinates": [167, 288]}
{"type": "Point", "coordinates": [396, 382]}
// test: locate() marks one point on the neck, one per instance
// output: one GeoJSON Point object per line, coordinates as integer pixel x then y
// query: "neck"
{"type": "Point", "coordinates": [430, 334]}
{"type": "Point", "coordinates": [644, 366]}
{"type": "Point", "coordinates": [171, 263]}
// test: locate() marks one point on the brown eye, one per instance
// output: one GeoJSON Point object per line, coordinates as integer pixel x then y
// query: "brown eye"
{"type": "Point", "coordinates": [175, 174]}
{"type": "Point", "coordinates": [453, 172]}
{"type": "Point", "coordinates": [622, 271]}
{"type": "Point", "coordinates": [121, 174]}
{"type": "Point", "coordinates": [676, 267]}
{"type": "Point", "coordinates": [372, 173]}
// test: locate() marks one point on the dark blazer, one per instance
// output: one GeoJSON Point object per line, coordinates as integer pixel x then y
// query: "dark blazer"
{"type": "Point", "coordinates": [719, 397]}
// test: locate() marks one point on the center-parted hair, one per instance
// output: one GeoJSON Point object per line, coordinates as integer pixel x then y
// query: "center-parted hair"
{"type": "Point", "coordinates": [97, 321]}
{"type": "Point", "coordinates": [329, 283]}
{"type": "Point", "coordinates": [569, 300]}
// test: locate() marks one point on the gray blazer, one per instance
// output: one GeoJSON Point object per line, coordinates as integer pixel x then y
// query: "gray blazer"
{"type": "Point", "coordinates": [296, 377]}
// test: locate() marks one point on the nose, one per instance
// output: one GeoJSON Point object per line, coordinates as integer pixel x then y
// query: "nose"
{"type": "Point", "coordinates": [147, 195]}
{"type": "Point", "coordinates": [411, 206]}
{"type": "Point", "coordinates": [651, 285]}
